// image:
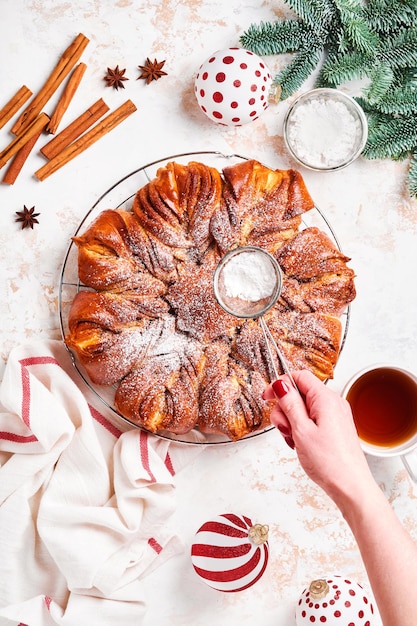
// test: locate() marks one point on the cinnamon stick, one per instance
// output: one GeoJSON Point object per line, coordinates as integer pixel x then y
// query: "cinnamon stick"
{"type": "Point", "coordinates": [85, 141]}
{"type": "Point", "coordinates": [14, 104]}
{"type": "Point", "coordinates": [75, 129]}
{"type": "Point", "coordinates": [20, 158]}
{"type": "Point", "coordinates": [64, 66]}
{"type": "Point", "coordinates": [18, 142]}
{"type": "Point", "coordinates": [65, 99]}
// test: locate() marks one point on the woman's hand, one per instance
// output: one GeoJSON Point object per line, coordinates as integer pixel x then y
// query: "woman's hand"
{"type": "Point", "coordinates": [320, 426]}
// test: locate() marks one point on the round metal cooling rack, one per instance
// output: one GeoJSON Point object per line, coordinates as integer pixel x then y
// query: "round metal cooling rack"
{"type": "Point", "coordinates": [120, 195]}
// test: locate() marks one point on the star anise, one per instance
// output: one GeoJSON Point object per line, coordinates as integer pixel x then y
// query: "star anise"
{"type": "Point", "coordinates": [27, 217]}
{"type": "Point", "coordinates": [115, 78]}
{"type": "Point", "coordinates": [152, 70]}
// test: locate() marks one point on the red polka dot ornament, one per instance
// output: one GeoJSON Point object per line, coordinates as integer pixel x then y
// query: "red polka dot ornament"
{"type": "Point", "coordinates": [234, 87]}
{"type": "Point", "coordinates": [335, 601]}
{"type": "Point", "coordinates": [230, 553]}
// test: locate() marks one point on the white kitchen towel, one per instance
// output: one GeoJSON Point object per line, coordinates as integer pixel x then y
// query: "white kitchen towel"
{"type": "Point", "coordinates": [85, 501]}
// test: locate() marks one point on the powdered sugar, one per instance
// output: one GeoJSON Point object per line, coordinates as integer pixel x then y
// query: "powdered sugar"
{"type": "Point", "coordinates": [249, 276]}
{"type": "Point", "coordinates": [323, 132]}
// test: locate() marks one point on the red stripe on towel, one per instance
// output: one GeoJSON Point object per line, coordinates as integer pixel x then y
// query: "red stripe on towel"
{"type": "Point", "coordinates": [6, 436]}
{"type": "Point", "coordinates": [169, 465]}
{"type": "Point", "coordinates": [144, 454]}
{"type": "Point", "coordinates": [104, 422]}
{"type": "Point", "coordinates": [39, 360]}
{"type": "Point", "coordinates": [24, 364]}
{"type": "Point", "coordinates": [25, 395]}
{"type": "Point", "coordinates": [155, 545]}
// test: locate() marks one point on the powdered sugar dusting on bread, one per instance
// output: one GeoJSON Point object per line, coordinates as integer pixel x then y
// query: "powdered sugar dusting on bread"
{"type": "Point", "coordinates": [178, 359]}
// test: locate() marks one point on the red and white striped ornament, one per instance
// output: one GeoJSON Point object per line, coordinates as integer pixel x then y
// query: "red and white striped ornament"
{"type": "Point", "coordinates": [335, 600]}
{"type": "Point", "coordinates": [230, 553]}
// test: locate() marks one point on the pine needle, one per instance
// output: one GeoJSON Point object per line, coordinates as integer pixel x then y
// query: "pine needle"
{"type": "Point", "coordinates": [393, 138]}
{"type": "Point", "coordinates": [315, 13]}
{"type": "Point", "coordinates": [343, 68]}
{"type": "Point", "coordinates": [412, 176]}
{"type": "Point", "coordinates": [349, 40]}
{"type": "Point", "coordinates": [277, 38]}
{"type": "Point", "coordinates": [401, 50]}
{"type": "Point", "coordinates": [295, 73]}
{"type": "Point", "coordinates": [382, 77]}
{"type": "Point", "coordinates": [356, 29]}
{"type": "Point", "coordinates": [398, 101]}
{"type": "Point", "coordinates": [387, 16]}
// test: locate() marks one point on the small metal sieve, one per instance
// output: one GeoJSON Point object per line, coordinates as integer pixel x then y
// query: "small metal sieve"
{"type": "Point", "coordinates": [261, 277]}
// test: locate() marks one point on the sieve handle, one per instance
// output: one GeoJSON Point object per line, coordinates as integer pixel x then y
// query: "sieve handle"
{"type": "Point", "coordinates": [409, 460]}
{"type": "Point", "coordinates": [270, 340]}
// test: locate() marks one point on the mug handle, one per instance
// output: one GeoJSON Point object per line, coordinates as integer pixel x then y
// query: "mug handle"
{"type": "Point", "coordinates": [410, 463]}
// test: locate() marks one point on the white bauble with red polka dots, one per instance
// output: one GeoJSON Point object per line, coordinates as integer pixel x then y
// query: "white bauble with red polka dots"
{"type": "Point", "coordinates": [335, 601]}
{"type": "Point", "coordinates": [230, 553]}
{"type": "Point", "coordinates": [232, 87]}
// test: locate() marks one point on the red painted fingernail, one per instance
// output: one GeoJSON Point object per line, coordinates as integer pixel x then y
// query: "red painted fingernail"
{"type": "Point", "coordinates": [290, 442]}
{"type": "Point", "coordinates": [284, 430]}
{"type": "Point", "coordinates": [280, 388]}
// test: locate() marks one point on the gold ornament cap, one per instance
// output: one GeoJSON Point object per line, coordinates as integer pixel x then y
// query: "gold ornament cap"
{"type": "Point", "coordinates": [258, 533]}
{"type": "Point", "coordinates": [319, 589]}
{"type": "Point", "coordinates": [274, 94]}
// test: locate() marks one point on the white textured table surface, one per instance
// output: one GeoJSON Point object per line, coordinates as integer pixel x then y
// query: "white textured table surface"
{"type": "Point", "coordinates": [367, 205]}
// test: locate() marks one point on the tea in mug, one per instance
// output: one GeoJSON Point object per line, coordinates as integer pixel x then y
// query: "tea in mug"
{"type": "Point", "coordinates": [384, 406]}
